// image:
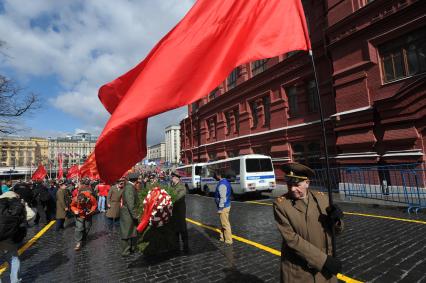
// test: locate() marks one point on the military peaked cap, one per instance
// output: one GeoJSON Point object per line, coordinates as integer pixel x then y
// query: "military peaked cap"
{"type": "Point", "coordinates": [297, 171]}
{"type": "Point", "coordinates": [174, 174]}
{"type": "Point", "coordinates": [85, 181]}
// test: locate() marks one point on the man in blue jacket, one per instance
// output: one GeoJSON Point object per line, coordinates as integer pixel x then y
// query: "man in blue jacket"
{"type": "Point", "coordinates": [223, 201]}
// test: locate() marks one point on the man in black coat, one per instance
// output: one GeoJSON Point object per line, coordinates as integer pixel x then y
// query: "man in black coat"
{"type": "Point", "coordinates": [25, 192]}
{"type": "Point", "coordinates": [41, 197]}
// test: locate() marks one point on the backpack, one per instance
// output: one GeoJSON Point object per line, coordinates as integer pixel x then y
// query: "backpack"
{"type": "Point", "coordinates": [12, 216]}
{"type": "Point", "coordinates": [44, 195]}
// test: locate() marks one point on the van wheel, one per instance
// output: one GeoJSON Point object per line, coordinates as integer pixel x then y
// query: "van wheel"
{"type": "Point", "coordinates": [187, 189]}
{"type": "Point", "coordinates": [206, 191]}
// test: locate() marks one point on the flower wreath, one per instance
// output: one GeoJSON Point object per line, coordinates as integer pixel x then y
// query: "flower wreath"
{"type": "Point", "coordinates": [158, 208]}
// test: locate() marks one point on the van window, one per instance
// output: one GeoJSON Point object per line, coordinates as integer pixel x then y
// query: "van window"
{"type": "Point", "coordinates": [258, 165]}
{"type": "Point", "coordinates": [184, 172]}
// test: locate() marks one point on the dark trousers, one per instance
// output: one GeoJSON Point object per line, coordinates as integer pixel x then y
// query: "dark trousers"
{"type": "Point", "coordinates": [128, 246]}
{"type": "Point", "coordinates": [41, 213]}
{"type": "Point", "coordinates": [59, 224]}
{"type": "Point", "coordinates": [82, 228]}
{"type": "Point", "coordinates": [183, 235]}
{"type": "Point", "coordinates": [112, 221]}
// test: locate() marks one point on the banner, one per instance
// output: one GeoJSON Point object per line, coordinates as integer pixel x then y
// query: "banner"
{"type": "Point", "coordinates": [39, 174]}
{"type": "Point", "coordinates": [73, 172]}
{"type": "Point", "coordinates": [190, 61]}
{"type": "Point", "coordinates": [60, 173]}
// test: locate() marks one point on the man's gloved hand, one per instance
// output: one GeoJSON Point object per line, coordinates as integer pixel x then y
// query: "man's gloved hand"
{"type": "Point", "coordinates": [332, 265]}
{"type": "Point", "coordinates": [334, 213]}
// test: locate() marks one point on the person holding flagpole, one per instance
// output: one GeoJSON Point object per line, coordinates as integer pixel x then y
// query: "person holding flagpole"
{"type": "Point", "coordinates": [305, 220]}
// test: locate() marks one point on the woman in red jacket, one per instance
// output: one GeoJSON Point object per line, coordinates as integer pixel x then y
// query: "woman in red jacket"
{"type": "Point", "coordinates": [103, 190]}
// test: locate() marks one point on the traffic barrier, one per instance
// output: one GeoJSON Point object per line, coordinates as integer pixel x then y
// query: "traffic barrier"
{"type": "Point", "coordinates": [403, 184]}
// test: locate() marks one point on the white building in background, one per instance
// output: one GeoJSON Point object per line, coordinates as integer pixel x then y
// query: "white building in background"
{"type": "Point", "coordinates": [157, 152]}
{"type": "Point", "coordinates": [74, 149]}
{"type": "Point", "coordinates": [18, 151]}
{"type": "Point", "coordinates": [173, 144]}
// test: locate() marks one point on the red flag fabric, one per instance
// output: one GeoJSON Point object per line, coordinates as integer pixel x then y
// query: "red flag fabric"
{"type": "Point", "coordinates": [39, 174]}
{"type": "Point", "coordinates": [60, 174]}
{"type": "Point", "coordinates": [88, 169]}
{"type": "Point", "coordinates": [73, 172]}
{"type": "Point", "coordinates": [190, 61]}
{"type": "Point", "coordinates": [149, 204]}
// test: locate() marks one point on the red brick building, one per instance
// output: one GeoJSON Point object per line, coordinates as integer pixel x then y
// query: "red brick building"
{"type": "Point", "coordinates": [371, 61]}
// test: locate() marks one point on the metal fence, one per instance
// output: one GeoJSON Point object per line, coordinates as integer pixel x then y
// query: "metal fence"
{"type": "Point", "coordinates": [404, 184]}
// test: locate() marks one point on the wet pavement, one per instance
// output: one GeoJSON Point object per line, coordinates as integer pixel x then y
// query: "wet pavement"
{"type": "Point", "coordinates": [372, 249]}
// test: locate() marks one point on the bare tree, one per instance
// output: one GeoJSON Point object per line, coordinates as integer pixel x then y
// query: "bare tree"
{"type": "Point", "coordinates": [14, 103]}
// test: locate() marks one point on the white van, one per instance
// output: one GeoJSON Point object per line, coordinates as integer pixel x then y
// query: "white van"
{"type": "Point", "coordinates": [188, 176]}
{"type": "Point", "coordinates": [247, 173]}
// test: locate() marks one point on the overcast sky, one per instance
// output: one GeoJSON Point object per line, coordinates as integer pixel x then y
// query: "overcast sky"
{"type": "Point", "coordinates": [65, 50]}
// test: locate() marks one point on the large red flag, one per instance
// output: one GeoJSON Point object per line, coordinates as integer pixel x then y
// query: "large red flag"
{"type": "Point", "coordinates": [73, 172]}
{"type": "Point", "coordinates": [60, 173]}
{"type": "Point", "coordinates": [39, 174]}
{"type": "Point", "coordinates": [88, 169]}
{"type": "Point", "coordinates": [192, 59]}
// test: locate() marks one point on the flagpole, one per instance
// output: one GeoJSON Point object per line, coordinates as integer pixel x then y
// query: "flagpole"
{"type": "Point", "coordinates": [327, 160]}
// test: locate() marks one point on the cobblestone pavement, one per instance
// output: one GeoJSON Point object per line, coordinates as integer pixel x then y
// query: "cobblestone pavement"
{"type": "Point", "coordinates": [372, 249]}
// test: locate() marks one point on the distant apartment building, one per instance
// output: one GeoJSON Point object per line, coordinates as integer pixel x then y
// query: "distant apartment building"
{"type": "Point", "coordinates": [23, 151]}
{"type": "Point", "coordinates": [157, 153]}
{"type": "Point", "coordinates": [74, 149]}
{"type": "Point", "coordinates": [173, 144]}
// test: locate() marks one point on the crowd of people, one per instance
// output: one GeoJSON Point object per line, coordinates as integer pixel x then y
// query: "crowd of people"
{"type": "Point", "coordinates": [304, 218]}
{"type": "Point", "coordinates": [73, 201]}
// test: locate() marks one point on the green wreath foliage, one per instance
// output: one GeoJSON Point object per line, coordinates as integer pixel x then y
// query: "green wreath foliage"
{"type": "Point", "coordinates": [156, 240]}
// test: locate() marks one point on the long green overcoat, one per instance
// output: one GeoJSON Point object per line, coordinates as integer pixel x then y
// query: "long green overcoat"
{"type": "Point", "coordinates": [128, 212]}
{"type": "Point", "coordinates": [306, 238]}
{"type": "Point", "coordinates": [113, 199]}
{"type": "Point", "coordinates": [61, 204]}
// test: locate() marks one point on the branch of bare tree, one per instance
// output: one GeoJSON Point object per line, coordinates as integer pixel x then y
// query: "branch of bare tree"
{"type": "Point", "coordinates": [14, 103]}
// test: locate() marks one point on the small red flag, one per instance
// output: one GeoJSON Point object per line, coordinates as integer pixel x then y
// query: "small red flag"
{"type": "Point", "coordinates": [39, 174]}
{"type": "Point", "coordinates": [60, 174]}
{"type": "Point", "coordinates": [190, 61]}
{"type": "Point", "coordinates": [88, 169]}
{"type": "Point", "coordinates": [73, 172]}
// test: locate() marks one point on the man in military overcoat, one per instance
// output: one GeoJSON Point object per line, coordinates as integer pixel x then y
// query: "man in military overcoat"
{"type": "Point", "coordinates": [62, 202]}
{"type": "Point", "coordinates": [128, 217]}
{"type": "Point", "coordinates": [179, 212]}
{"type": "Point", "coordinates": [304, 219]}
{"type": "Point", "coordinates": [113, 203]}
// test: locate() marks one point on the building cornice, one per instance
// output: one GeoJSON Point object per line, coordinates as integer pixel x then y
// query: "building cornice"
{"type": "Point", "coordinates": [259, 133]}
{"type": "Point", "coordinates": [370, 15]}
{"type": "Point", "coordinates": [361, 109]}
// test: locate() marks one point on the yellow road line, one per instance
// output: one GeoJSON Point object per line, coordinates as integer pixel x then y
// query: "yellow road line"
{"type": "Point", "coordinates": [258, 202]}
{"type": "Point", "coordinates": [363, 214]}
{"type": "Point", "coordinates": [386, 217]}
{"type": "Point", "coordinates": [28, 244]}
{"type": "Point", "coordinates": [263, 247]}
{"type": "Point", "coordinates": [257, 245]}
